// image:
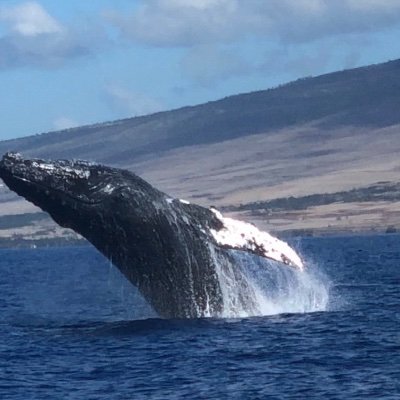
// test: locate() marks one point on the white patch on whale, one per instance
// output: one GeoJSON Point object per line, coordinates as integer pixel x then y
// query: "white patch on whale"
{"type": "Point", "coordinates": [79, 172]}
{"type": "Point", "coordinates": [242, 235]}
{"type": "Point", "coordinates": [108, 189]}
{"type": "Point", "coordinates": [43, 166]}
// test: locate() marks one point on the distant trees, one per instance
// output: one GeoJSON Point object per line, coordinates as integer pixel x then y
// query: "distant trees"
{"type": "Point", "coordinates": [383, 191]}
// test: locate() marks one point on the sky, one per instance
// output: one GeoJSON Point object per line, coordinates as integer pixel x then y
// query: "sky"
{"type": "Point", "coordinates": [77, 62]}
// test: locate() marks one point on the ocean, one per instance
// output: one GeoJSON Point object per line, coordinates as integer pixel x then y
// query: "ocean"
{"type": "Point", "coordinates": [71, 327]}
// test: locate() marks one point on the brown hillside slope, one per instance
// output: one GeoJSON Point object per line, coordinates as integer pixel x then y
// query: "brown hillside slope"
{"type": "Point", "coordinates": [330, 133]}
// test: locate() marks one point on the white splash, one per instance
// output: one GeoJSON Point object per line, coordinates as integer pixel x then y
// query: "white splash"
{"type": "Point", "coordinates": [242, 235]}
{"type": "Point", "coordinates": [253, 286]}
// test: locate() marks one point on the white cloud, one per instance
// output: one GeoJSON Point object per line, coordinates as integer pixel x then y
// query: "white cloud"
{"type": "Point", "coordinates": [208, 29]}
{"type": "Point", "coordinates": [128, 103]}
{"type": "Point", "coordinates": [178, 22]}
{"type": "Point", "coordinates": [29, 19]}
{"type": "Point", "coordinates": [190, 23]}
{"type": "Point", "coordinates": [64, 122]}
{"type": "Point", "coordinates": [32, 37]}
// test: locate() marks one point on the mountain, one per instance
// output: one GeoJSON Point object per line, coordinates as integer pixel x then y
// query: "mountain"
{"type": "Point", "coordinates": [367, 96]}
{"type": "Point", "coordinates": [326, 134]}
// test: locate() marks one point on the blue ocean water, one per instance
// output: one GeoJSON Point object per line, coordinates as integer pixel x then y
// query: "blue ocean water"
{"type": "Point", "coordinates": [72, 328]}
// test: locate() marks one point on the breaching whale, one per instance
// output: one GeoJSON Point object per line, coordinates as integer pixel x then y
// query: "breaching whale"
{"type": "Point", "coordinates": [171, 250]}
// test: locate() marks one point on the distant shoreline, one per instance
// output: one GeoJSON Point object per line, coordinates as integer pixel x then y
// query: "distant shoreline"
{"type": "Point", "coordinates": [22, 243]}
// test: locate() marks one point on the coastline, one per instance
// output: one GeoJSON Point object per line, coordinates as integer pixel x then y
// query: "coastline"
{"type": "Point", "coordinates": [18, 242]}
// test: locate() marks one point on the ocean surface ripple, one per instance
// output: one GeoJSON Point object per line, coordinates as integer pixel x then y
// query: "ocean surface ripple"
{"type": "Point", "coordinates": [72, 328]}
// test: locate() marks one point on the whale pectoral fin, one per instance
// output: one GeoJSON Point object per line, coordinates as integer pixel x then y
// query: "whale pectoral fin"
{"type": "Point", "coordinates": [239, 235]}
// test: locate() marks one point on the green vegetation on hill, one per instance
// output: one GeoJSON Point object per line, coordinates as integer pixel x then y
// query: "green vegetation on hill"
{"type": "Point", "coordinates": [20, 220]}
{"type": "Point", "coordinates": [383, 191]}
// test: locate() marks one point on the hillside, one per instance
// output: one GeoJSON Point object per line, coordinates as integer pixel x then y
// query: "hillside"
{"type": "Point", "coordinates": [362, 97]}
{"type": "Point", "coordinates": [332, 133]}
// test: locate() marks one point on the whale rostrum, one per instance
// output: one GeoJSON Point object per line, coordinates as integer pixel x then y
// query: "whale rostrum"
{"type": "Point", "coordinates": [170, 249]}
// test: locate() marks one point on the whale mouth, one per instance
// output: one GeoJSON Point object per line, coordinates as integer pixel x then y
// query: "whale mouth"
{"type": "Point", "coordinates": [53, 193]}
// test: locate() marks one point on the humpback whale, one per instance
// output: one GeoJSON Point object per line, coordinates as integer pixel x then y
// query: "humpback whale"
{"type": "Point", "coordinates": [171, 250]}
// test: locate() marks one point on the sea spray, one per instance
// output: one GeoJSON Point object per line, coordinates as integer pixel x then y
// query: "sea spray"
{"type": "Point", "coordinates": [253, 286]}
{"type": "Point", "coordinates": [250, 286]}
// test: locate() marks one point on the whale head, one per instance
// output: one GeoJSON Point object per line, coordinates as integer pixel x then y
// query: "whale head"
{"type": "Point", "coordinates": [112, 208]}
{"type": "Point", "coordinates": [77, 194]}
